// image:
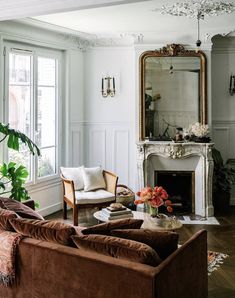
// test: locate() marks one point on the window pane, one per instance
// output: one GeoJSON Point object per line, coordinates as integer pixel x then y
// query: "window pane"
{"type": "Point", "coordinates": [46, 162]}
{"type": "Point", "coordinates": [21, 158]}
{"type": "Point", "coordinates": [19, 68]}
{"type": "Point", "coordinates": [46, 71]}
{"type": "Point", "coordinates": [46, 117]}
{"type": "Point", "coordinates": [19, 108]}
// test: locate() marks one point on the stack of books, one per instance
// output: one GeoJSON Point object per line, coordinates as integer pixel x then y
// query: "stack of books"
{"type": "Point", "coordinates": [110, 213]}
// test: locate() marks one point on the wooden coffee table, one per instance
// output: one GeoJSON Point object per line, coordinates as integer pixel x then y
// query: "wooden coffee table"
{"type": "Point", "coordinates": [169, 225]}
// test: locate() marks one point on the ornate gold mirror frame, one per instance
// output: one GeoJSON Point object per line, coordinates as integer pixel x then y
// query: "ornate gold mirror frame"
{"type": "Point", "coordinates": [173, 50]}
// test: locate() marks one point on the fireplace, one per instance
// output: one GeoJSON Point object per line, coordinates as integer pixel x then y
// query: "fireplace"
{"type": "Point", "coordinates": [179, 161]}
{"type": "Point", "coordinates": [180, 186]}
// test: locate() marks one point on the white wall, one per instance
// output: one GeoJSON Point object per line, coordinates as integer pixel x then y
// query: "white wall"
{"type": "Point", "coordinates": [109, 123]}
{"type": "Point", "coordinates": [223, 104]}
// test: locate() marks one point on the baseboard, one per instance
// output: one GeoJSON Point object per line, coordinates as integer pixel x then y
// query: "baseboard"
{"type": "Point", "coordinates": [50, 209]}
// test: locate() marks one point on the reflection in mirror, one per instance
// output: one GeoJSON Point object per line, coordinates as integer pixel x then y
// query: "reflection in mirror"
{"type": "Point", "coordinates": [171, 94]}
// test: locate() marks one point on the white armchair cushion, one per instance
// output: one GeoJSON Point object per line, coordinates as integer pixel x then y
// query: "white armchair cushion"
{"type": "Point", "coordinates": [93, 197]}
{"type": "Point", "coordinates": [93, 178]}
{"type": "Point", "coordinates": [74, 174]}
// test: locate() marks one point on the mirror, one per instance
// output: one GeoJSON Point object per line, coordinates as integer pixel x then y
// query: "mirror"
{"type": "Point", "coordinates": [173, 91]}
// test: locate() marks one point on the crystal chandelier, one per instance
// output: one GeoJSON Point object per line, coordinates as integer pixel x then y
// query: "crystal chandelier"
{"type": "Point", "coordinates": [198, 9]}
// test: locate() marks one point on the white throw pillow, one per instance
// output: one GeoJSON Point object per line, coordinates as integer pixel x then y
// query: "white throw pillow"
{"type": "Point", "coordinates": [74, 174]}
{"type": "Point", "coordinates": [93, 178]}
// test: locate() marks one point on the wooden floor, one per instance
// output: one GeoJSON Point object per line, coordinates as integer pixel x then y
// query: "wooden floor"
{"type": "Point", "coordinates": [221, 283]}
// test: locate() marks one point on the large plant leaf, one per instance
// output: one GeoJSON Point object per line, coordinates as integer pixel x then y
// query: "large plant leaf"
{"type": "Point", "coordinates": [14, 138]}
{"type": "Point", "coordinates": [16, 176]}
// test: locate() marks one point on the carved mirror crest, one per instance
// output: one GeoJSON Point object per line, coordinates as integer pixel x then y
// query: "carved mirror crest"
{"type": "Point", "coordinates": [172, 91]}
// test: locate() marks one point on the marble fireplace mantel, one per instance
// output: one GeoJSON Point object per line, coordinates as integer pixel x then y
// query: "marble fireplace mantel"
{"type": "Point", "coordinates": [166, 156]}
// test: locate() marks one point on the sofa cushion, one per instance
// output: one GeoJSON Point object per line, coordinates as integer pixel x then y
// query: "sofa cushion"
{"type": "Point", "coordinates": [46, 230]}
{"type": "Point", "coordinates": [93, 178]}
{"type": "Point", "coordinates": [93, 197]}
{"type": "Point", "coordinates": [118, 248]}
{"type": "Point", "coordinates": [74, 174]}
{"type": "Point", "coordinates": [5, 216]}
{"type": "Point", "coordinates": [19, 208]}
{"type": "Point", "coordinates": [164, 243]}
{"type": "Point", "coordinates": [105, 228]}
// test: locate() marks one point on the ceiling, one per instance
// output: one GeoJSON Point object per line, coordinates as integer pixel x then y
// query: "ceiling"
{"type": "Point", "coordinates": [141, 19]}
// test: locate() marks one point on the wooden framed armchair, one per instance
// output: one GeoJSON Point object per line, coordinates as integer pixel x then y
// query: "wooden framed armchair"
{"type": "Point", "coordinates": [78, 199]}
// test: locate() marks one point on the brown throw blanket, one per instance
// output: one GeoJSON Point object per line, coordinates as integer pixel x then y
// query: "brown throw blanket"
{"type": "Point", "coordinates": [8, 246]}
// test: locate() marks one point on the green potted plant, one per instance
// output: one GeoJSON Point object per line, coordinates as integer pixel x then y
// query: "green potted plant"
{"type": "Point", "coordinates": [223, 178]}
{"type": "Point", "coordinates": [13, 176]}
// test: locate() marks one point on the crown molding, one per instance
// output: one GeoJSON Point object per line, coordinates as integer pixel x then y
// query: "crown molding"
{"type": "Point", "coordinates": [84, 41]}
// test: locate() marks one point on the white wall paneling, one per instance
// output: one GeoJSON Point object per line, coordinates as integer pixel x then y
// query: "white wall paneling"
{"type": "Point", "coordinates": [224, 138]}
{"type": "Point", "coordinates": [111, 145]}
{"type": "Point", "coordinates": [121, 152]}
{"type": "Point", "coordinates": [221, 136]}
{"type": "Point", "coordinates": [97, 147]}
{"type": "Point", "coordinates": [76, 148]}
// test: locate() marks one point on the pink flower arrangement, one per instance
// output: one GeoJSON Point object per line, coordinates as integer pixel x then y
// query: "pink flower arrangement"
{"type": "Point", "coordinates": [154, 197]}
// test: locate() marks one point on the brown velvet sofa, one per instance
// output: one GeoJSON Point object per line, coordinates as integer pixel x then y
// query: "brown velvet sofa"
{"type": "Point", "coordinates": [51, 270]}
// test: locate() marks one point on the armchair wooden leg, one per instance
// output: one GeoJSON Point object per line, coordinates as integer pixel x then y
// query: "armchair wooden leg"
{"type": "Point", "coordinates": [64, 210]}
{"type": "Point", "coordinates": [75, 215]}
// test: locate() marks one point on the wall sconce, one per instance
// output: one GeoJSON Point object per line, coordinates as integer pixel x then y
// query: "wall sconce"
{"type": "Point", "coordinates": [108, 87]}
{"type": "Point", "coordinates": [232, 85]}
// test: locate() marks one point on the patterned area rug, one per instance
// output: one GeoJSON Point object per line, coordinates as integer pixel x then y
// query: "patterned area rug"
{"type": "Point", "coordinates": [215, 259]}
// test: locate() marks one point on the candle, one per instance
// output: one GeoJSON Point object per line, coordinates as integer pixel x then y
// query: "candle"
{"type": "Point", "coordinates": [102, 86]}
{"type": "Point", "coordinates": [113, 84]}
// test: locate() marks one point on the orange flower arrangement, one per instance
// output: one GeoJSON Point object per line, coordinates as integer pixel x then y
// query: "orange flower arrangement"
{"type": "Point", "coordinates": [154, 198]}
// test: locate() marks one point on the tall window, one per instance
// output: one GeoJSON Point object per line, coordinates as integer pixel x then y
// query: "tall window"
{"type": "Point", "coordinates": [32, 107]}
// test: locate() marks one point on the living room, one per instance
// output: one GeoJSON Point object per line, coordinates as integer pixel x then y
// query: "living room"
{"type": "Point", "coordinates": [88, 42]}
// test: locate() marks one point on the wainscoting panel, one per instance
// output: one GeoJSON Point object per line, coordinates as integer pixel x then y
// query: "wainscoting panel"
{"type": "Point", "coordinates": [76, 152]}
{"type": "Point", "coordinates": [121, 154]}
{"type": "Point", "coordinates": [110, 145]}
{"type": "Point", "coordinates": [76, 148]}
{"type": "Point", "coordinates": [224, 139]}
{"type": "Point", "coordinates": [221, 140]}
{"type": "Point", "coordinates": [97, 148]}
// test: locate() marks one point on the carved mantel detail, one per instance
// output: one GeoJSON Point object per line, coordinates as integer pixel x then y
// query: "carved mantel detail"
{"type": "Point", "coordinates": [179, 152]}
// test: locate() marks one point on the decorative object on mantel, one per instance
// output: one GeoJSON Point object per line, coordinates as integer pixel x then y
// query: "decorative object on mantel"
{"type": "Point", "coordinates": [232, 85]}
{"type": "Point", "coordinates": [199, 133]}
{"type": "Point", "coordinates": [153, 198]}
{"type": "Point", "coordinates": [108, 87]}
{"type": "Point", "coordinates": [198, 9]}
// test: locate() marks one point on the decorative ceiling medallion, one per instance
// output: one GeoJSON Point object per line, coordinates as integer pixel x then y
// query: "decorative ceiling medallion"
{"type": "Point", "coordinates": [198, 8]}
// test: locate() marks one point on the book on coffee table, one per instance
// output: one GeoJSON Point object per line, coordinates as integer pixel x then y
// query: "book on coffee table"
{"type": "Point", "coordinates": [107, 211]}
{"type": "Point", "coordinates": [107, 217]}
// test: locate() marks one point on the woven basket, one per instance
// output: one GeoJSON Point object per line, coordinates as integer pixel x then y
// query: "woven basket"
{"type": "Point", "coordinates": [124, 195]}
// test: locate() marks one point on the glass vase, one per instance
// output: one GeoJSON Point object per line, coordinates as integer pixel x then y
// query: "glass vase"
{"type": "Point", "coordinates": [152, 211]}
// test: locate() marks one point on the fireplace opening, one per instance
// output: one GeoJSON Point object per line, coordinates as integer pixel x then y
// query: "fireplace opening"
{"type": "Point", "coordinates": [180, 186]}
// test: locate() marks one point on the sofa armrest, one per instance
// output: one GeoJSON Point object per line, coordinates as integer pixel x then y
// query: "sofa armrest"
{"type": "Point", "coordinates": [30, 203]}
{"type": "Point", "coordinates": [184, 273]}
{"type": "Point", "coordinates": [111, 181]}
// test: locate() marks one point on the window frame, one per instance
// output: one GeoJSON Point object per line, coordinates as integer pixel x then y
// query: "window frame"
{"type": "Point", "coordinates": [35, 52]}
